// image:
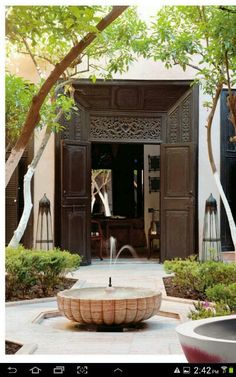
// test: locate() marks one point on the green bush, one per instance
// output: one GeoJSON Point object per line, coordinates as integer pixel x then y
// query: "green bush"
{"type": "Point", "coordinates": [199, 276]}
{"type": "Point", "coordinates": [26, 268]}
{"type": "Point", "coordinates": [225, 294]}
{"type": "Point", "coordinates": [205, 310]}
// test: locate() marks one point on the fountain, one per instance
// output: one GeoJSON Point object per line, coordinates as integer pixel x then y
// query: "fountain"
{"type": "Point", "coordinates": [109, 305]}
{"type": "Point", "coordinates": [210, 340]}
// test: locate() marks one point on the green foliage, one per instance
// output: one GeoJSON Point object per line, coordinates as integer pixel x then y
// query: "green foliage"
{"type": "Point", "coordinates": [26, 268]}
{"type": "Point", "coordinates": [50, 31]}
{"type": "Point", "coordinates": [222, 293]}
{"type": "Point", "coordinates": [205, 310]}
{"type": "Point", "coordinates": [183, 34]}
{"type": "Point", "coordinates": [19, 94]}
{"type": "Point", "coordinates": [186, 273]}
{"type": "Point", "coordinates": [192, 274]}
{"type": "Point", "coordinates": [211, 279]}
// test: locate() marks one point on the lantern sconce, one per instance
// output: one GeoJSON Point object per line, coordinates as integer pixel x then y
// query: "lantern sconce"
{"type": "Point", "coordinates": [211, 245]}
{"type": "Point", "coordinates": [44, 239]}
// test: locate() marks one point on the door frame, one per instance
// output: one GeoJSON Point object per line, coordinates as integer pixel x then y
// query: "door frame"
{"type": "Point", "coordinates": [79, 129]}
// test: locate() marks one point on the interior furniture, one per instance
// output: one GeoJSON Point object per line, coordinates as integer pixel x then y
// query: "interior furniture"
{"type": "Point", "coordinates": [97, 235]}
{"type": "Point", "coordinates": [154, 233]}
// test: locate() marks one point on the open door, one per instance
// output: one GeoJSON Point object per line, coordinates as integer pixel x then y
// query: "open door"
{"type": "Point", "coordinates": [76, 198]}
{"type": "Point", "coordinates": [178, 177]}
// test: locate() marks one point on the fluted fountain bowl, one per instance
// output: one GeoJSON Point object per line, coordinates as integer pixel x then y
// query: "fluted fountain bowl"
{"type": "Point", "coordinates": [108, 306]}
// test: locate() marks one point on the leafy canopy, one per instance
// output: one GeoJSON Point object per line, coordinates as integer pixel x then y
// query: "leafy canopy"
{"type": "Point", "coordinates": [183, 34]}
{"type": "Point", "coordinates": [49, 32]}
{"type": "Point", "coordinates": [19, 93]}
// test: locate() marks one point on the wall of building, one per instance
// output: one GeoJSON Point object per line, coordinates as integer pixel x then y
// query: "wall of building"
{"type": "Point", "coordinates": [151, 199]}
{"type": "Point", "coordinates": [206, 182]}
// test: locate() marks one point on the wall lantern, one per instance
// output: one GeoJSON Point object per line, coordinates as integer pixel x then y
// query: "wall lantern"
{"type": "Point", "coordinates": [211, 245]}
{"type": "Point", "coordinates": [44, 240]}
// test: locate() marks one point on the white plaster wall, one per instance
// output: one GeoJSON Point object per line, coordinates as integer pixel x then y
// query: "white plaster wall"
{"type": "Point", "coordinates": [206, 182]}
{"type": "Point", "coordinates": [44, 176]}
{"type": "Point", "coordinates": [151, 200]}
{"type": "Point", "coordinates": [144, 69]}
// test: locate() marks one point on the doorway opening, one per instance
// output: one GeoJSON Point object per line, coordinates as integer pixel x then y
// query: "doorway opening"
{"type": "Point", "coordinates": [120, 197]}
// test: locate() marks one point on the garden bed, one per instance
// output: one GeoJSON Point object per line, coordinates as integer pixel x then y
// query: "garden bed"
{"type": "Point", "coordinates": [37, 292]}
{"type": "Point", "coordinates": [11, 348]}
{"type": "Point", "coordinates": [175, 290]}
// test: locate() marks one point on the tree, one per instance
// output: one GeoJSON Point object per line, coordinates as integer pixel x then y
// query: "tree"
{"type": "Point", "coordinates": [99, 181]}
{"type": "Point", "coordinates": [33, 116]}
{"type": "Point", "coordinates": [18, 97]}
{"type": "Point", "coordinates": [28, 31]}
{"type": "Point", "coordinates": [20, 38]}
{"type": "Point", "coordinates": [182, 34]}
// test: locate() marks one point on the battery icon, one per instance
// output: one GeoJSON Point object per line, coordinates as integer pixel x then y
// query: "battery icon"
{"type": "Point", "coordinates": [231, 370]}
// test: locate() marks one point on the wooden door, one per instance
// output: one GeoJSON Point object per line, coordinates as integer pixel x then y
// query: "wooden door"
{"type": "Point", "coordinates": [177, 200]}
{"type": "Point", "coordinates": [76, 198]}
{"type": "Point", "coordinates": [11, 212]}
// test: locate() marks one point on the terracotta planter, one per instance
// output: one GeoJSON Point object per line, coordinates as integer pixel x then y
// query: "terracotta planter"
{"type": "Point", "coordinates": [108, 306]}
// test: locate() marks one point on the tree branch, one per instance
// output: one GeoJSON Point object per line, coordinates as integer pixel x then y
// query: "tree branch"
{"type": "Point", "coordinates": [33, 116]}
{"type": "Point", "coordinates": [32, 57]}
{"type": "Point", "coordinates": [209, 126]}
{"type": "Point", "coordinates": [225, 9]}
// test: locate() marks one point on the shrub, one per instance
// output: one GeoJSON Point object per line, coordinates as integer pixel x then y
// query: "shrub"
{"type": "Point", "coordinates": [205, 310]}
{"type": "Point", "coordinates": [26, 268]}
{"type": "Point", "coordinates": [224, 294]}
{"type": "Point", "coordinates": [186, 273]}
{"type": "Point", "coordinates": [192, 274]}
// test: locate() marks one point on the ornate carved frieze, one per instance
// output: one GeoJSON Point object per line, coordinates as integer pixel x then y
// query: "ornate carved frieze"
{"type": "Point", "coordinates": [186, 120]}
{"type": "Point", "coordinates": [173, 126]}
{"type": "Point", "coordinates": [179, 129]}
{"type": "Point", "coordinates": [125, 128]}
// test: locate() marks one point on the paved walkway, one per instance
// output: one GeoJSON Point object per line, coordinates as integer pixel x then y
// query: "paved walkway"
{"type": "Point", "coordinates": [57, 335]}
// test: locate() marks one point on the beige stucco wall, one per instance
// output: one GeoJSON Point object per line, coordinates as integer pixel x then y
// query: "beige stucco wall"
{"type": "Point", "coordinates": [151, 199]}
{"type": "Point", "coordinates": [206, 182]}
{"type": "Point", "coordinates": [140, 70]}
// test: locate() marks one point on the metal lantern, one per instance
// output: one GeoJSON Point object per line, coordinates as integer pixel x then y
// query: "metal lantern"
{"type": "Point", "coordinates": [44, 239]}
{"type": "Point", "coordinates": [211, 246]}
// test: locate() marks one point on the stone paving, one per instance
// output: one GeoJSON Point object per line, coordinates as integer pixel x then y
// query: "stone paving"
{"type": "Point", "coordinates": [57, 335]}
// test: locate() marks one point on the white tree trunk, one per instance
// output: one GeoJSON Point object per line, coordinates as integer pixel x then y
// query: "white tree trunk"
{"type": "Point", "coordinates": [106, 204]}
{"type": "Point", "coordinates": [18, 233]}
{"type": "Point", "coordinates": [104, 199]}
{"type": "Point", "coordinates": [214, 169]}
{"type": "Point", "coordinates": [92, 202]}
{"type": "Point", "coordinates": [229, 215]}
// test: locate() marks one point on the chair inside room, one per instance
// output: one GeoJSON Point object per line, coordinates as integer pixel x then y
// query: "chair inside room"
{"type": "Point", "coordinates": [97, 235]}
{"type": "Point", "coordinates": [154, 233]}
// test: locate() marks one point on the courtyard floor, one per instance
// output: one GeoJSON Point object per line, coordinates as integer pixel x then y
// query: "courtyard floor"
{"type": "Point", "coordinates": [38, 326]}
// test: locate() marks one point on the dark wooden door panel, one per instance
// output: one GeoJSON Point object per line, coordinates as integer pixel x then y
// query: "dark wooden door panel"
{"type": "Point", "coordinates": [178, 172]}
{"type": "Point", "coordinates": [76, 234]}
{"type": "Point", "coordinates": [11, 212]}
{"type": "Point", "coordinates": [75, 160]}
{"type": "Point", "coordinates": [177, 200]}
{"type": "Point", "coordinates": [177, 222]}
{"type": "Point", "coordinates": [76, 198]}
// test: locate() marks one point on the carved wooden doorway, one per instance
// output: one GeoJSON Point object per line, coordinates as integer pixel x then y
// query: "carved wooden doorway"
{"type": "Point", "coordinates": [120, 112]}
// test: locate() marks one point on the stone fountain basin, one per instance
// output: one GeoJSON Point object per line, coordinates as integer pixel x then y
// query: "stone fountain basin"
{"type": "Point", "coordinates": [108, 306]}
{"type": "Point", "coordinates": [210, 340]}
